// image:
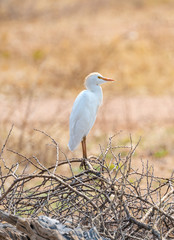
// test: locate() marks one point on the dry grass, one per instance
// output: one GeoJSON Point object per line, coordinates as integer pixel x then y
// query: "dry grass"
{"type": "Point", "coordinates": [54, 44]}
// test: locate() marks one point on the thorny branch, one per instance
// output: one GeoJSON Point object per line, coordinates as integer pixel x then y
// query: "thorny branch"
{"type": "Point", "coordinates": [119, 201]}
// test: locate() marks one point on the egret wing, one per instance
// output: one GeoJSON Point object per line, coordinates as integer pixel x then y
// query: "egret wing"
{"type": "Point", "coordinates": [82, 118]}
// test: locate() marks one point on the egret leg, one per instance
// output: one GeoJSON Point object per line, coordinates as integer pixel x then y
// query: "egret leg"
{"type": "Point", "coordinates": [84, 152]}
{"type": "Point", "coordinates": [84, 148]}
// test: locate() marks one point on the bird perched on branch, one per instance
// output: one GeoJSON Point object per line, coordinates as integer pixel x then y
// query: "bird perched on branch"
{"type": "Point", "coordinates": [84, 111]}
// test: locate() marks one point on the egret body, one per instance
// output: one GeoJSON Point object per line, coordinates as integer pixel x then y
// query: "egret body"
{"type": "Point", "coordinates": [84, 111]}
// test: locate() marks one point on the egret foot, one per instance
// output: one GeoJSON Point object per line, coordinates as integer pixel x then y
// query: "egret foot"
{"type": "Point", "coordinates": [87, 165]}
{"type": "Point", "coordinates": [83, 164]}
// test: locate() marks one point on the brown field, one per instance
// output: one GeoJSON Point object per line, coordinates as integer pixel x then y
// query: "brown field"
{"type": "Point", "coordinates": [47, 47]}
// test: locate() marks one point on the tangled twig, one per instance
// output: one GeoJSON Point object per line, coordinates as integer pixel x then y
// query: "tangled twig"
{"type": "Point", "coordinates": [118, 201]}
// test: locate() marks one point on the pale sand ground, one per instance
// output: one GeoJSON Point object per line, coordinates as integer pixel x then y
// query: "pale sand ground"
{"type": "Point", "coordinates": [116, 111]}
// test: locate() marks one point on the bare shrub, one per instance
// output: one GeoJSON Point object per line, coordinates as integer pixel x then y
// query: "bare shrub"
{"type": "Point", "coordinates": [118, 201]}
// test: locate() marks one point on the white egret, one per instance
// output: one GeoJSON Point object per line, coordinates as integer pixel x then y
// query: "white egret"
{"type": "Point", "coordinates": [84, 111]}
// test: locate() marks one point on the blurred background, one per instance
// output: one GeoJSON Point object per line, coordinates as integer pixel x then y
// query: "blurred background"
{"type": "Point", "coordinates": [47, 47]}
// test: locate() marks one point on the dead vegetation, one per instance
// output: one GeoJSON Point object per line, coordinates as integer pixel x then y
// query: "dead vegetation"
{"type": "Point", "coordinates": [48, 46]}
{"type": "Point", "coordinates": [129, 40]}
{"type": "Point", "coordinates": [118, 201]}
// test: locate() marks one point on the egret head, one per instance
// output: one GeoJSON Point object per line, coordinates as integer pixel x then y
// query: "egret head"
{"type": "Point", "coordinates": [94, 79]}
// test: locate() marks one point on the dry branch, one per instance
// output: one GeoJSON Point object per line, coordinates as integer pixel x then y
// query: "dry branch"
{"type": "Point", "coordinates": [110, 200]}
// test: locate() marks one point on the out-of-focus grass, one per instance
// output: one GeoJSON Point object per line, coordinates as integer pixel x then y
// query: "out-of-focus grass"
{"type": "Point", "coordinates": [51, 46]}
{"type": "Point", "coordinates": [35, 144]}
{"type": "Point", "coordinates": [161, 153]}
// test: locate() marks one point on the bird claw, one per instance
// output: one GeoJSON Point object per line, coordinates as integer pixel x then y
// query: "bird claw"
{"type": "Point", "coordinates": [83, 164]}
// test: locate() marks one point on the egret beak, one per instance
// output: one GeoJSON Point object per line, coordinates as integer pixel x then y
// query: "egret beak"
{"type": "Point", "coordinates": [106, 79]}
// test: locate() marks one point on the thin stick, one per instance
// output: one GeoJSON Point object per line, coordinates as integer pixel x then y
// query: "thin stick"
{"type": "Point", "coordinates": [5, 143]}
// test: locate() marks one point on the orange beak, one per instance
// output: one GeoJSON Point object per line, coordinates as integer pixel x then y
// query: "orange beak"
{"type": "Point", "coordinates": [106, 79]}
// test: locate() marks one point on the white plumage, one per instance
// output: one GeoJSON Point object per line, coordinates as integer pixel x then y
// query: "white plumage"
{"type": "Point", "coordinates": [85, 109]}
